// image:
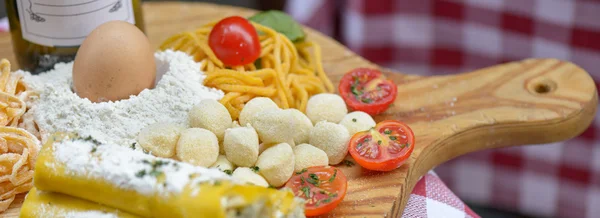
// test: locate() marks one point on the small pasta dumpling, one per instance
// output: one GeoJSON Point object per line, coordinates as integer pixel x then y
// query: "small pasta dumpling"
{"type": "Point", "coordinates": [198, 147]}
{"type": "Point", "coordinates": [357, 121]}
{"type": "Point", "coordinates": [274, 126]}
{"type": "Point", "coordinates": [263, 146]}
{"type": "Point", "coordinates": [301, 126]}
{"type": "Point", "coordinates": [160, 138]}
{"type": "Point", "coordinates": [326, 106]}
{"type": "Point", "coordinates": [223, 164]}
{"type": "Point", "coordinates": [247, 175]}
{"type": "Point", "coordinates": [276, 164]}
{"type": "Point", "coordinates": [307, 156]}
{"type": "Point", "coordinates": [332, 138]}
{"type": "Point", "coordinates": [211, 115]}
{"type": "Point", "coordinates": [254, 106]}
{"type": "Point", "coordinates": [241, 146]}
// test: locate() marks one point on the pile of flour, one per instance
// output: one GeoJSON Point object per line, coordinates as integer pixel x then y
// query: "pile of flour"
{"type": "Point", "coordinates": [178, 88]}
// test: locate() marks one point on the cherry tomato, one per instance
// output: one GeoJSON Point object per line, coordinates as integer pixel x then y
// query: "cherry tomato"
{"type": "Point", "coordinates": [383, 148]}
{"type": "Point", "coordinates": [367, 90]}
{"type": "Point", "coordinates": [323, 188]}
{"type": "Point", "coordinates": [234, 41]}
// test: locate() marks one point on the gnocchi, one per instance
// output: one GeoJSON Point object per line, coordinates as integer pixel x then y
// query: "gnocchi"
{"type": "Point", "coordinates": [245, 174]}
{"type": "Point", "coordinates": [223, 164]}
{"type": "Point", "coordinates": [254, 106]}
{"type": "Point", "coordinates": [332, 138]}
{"type": "Point", "coordinates": [301, 126]}
{"type": "Point", "coordinates": [211, 115]}
{"type": "Point", "coordinates": [241, 146]}
{"type": "Point", "coordinates": [198, 147]}
{"type": "Point", "coordinates": [307, 156]}
{"type": "Point", "coordinates": [276, 164]}
{"type": "Point", "coordinates": [357, 121]}
{"type": "Point", "coordinates": [160, 138]}
{"type": "Point", "coordinates": [326, 106]}
{"type": "Point", "coordinates": [273, 126]}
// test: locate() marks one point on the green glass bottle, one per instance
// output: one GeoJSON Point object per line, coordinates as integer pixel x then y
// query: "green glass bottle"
{"type": "Point", "coordinates": [48, 32]}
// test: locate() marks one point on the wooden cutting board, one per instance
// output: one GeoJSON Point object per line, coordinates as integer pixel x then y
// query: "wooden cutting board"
{"type": "Point", "coordinates": [528, 102]}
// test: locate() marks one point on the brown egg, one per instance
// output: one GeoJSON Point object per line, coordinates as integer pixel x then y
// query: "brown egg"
{"type": "Point", "coordinates": [114, 62]}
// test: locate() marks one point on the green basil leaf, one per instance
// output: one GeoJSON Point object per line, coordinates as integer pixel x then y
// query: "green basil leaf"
{"type": "Point", "coordinates": [282, 23]}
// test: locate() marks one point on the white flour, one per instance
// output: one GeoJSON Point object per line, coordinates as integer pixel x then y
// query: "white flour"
{"type": "Point", "coordinates": [178, 89]}
{"type": "Point", "coordinates": [129, 169]}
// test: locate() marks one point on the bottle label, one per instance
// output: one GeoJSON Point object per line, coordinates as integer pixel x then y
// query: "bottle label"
{"type": "Point", "coordinates": [68, 22]}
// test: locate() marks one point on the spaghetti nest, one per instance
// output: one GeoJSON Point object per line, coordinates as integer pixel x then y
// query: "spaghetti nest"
{"type": "Point", "coordinates": [18, 148]}
{"type": "Point", "coordinates": [288, 73]}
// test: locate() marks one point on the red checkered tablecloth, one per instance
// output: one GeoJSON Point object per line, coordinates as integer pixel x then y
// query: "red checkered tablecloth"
{"type": "Point", "coordinates": [432, 37]}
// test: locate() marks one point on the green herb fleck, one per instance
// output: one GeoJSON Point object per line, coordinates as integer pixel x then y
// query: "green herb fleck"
{"type": "Point", "coordinates": [333, 177]}
{"type": "Point", "coordinates": [140, 173]}
{"type": "Point", "coordinates": [90, 139]}
{"type": "Point", "coordinates": [326, 200]}
{"type": "Point", "coordinates": [302, 180]}
{"type": "Point", "coordinates": [359, 145]}
{"type": "Point", "coordinates": [159, 163]}
{"type": "Point", "coordinates": [94, 149]}
{"type": "Point", "coordinates": [155, 173]}
{"type": "Point", "coordinates": [387, 131]}
{"type": "Point", "coordinates": [301, 171]}
{"type": "Point", "coordinates": [355, 91]}
{"type": "Point", "coordinates": [354, 120]}
{"type": "Point", "coordinates": [333, 195]}
{"type": "Point", "coordinates": [406, 145]}
{"type": "Point", "coordinates": [132, 146]}
{"type": "Point", "coordinates": [273, 187]}
{"type": "Point", "coordinates": [323, 192]}
{"type": "Point", "coordinates": [217, 183]}
{"type": "Point", "coordinates": [306, 191]}
{"type": "Point", "coordinates": [349, 163]}
{"type": "Point", "coordinates": [228, 172]}
{"type": "Point", "coordinates": [393, 137]}
{"type": "Point", "coordinates": [366, 100]}
{"type": "Point", "coordinates": [255, 169]}
{"type": "Point", "coordinates": [379, 142]}
{"type": "Point", "coordinates": [146, 161]}
{"type": "Point", "coordinates": [313, 179]}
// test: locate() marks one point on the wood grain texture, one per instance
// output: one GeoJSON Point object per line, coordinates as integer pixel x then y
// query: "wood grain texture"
{"type": "Point", "coordinates": [528, 102]}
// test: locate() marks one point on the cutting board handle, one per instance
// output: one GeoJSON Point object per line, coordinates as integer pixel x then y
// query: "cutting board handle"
{"type": "Point", "coordinates": [527, 102]}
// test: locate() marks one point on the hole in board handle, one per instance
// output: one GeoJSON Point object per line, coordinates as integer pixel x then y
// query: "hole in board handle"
{"type": "Point", "coordinates": [544, 87]}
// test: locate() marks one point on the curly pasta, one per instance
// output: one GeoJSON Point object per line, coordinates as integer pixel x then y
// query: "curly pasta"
{"type": "Point", "coordinates": [18, 148]}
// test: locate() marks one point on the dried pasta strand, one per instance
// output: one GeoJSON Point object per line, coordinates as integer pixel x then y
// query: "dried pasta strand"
{"type": "Point", "coordinates": [262, 91]}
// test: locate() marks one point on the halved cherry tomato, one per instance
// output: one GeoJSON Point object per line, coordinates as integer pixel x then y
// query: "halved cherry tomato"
{"type": "Point", "coordinates": [383, 148]}
{"type": "Point", "coordinates": [323, 188]}
{"type": "Point", "coordinates": [367, 90]}
{"type": "Point", "coordinates": [234, 41]}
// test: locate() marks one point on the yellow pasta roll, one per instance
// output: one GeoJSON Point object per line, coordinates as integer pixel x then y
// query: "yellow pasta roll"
{"type": "Point", "coordinates": [148, 186]}
{"type": "Point", "coordinates": [40, 204]}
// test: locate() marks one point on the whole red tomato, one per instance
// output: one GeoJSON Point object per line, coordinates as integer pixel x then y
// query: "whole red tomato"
{"type": "Point", "coordinates": [234, 41]}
